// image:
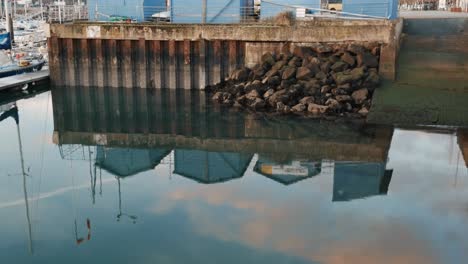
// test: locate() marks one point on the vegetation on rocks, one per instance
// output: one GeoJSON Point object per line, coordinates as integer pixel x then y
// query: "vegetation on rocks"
{"type": "Point", "coordinates": [314, 81]}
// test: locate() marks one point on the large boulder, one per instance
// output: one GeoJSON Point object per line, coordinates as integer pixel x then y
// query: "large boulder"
{"type": "Point", "coordinates": [364, 111]}
{"type": "Point", "coordinates": [321, 48]}
{"type": "Point", "coordinates": [373, 80]}
{"type": "Point", "coordinates": [333, 104]}
{"type": "Point", "coordinates": [268, 59]}
{"type": "Point", "coordinates": [325, 67]}
{"type": "Point", "coordinates": [240, 75]}
{"type": "Point", "coordinates": [348, 58]}
{"type": "Point", "coordinates": [338, 66]}
{"type": "Point", "coordinates": [360, 96]}
{"type": "Point", "coordinates": [258, 104]}
{"type": "Point", "coordinates": [274, 81]}
{"type": "Point", "coordinates": [278, 96]}
{"type": "Point", "coordinates": [317, 109]}
{"type": "Point", "coordinates": [289, 72]}
{"type": "Point", "coordinates": [304, 73]}
{"type": "Point", "coordinates": [252, 95]}
{"type": "Point", "coordinates": [342, 78]}
{"type": "Point", "coordinates": [268, 93]}
{"type": "Point", "coordinates": [358, 73]}
{"type": "Point", "coordinates": [299, 108]}
{"type": "Point", "coordinates": [307, 100]}
{"type": "Point", "coordinates": [343, 98]}
{"type": "Point", "coordinates": [367, 59]}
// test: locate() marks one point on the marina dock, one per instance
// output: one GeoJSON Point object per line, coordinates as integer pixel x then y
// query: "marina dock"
{"type": "Point", "coordinates": [22, 79]}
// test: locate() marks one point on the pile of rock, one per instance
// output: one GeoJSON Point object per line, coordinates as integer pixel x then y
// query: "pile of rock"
{"type": "Point", "coordinates": [317, 80]}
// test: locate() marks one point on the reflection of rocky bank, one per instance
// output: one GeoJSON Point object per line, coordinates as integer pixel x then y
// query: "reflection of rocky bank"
{"type": "Point", "coordinates": [317, 80]}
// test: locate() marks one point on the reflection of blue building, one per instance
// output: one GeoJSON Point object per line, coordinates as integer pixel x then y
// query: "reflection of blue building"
{"type": "Point", "coordinates": [360, 180]}
{"type": "Point", "coordinates": [287, 174]}
{"type": "Point", "coordinates": [210, 167]}
{"type": "Point", "coordinates": [123, 162]}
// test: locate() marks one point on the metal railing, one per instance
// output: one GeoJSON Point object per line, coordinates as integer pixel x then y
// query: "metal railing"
{"type": "Point", "coordinates": [217, 14]}
{"type": "Point", "coordinates": [67, 13]}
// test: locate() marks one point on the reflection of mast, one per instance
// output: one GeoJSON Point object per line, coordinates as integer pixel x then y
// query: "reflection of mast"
{"type": "Point", "coordinates": [119, 216]}
{"type": "Point", "coordinates": [26, 201]}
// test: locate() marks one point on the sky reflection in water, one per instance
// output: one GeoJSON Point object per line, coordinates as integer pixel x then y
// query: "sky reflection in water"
{"type": "Point", "coordinates": [224, 189]}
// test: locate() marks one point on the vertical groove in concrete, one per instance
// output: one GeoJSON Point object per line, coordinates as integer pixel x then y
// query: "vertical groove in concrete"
{"type": "Point", "coordinates": [70, 63]}
{"type": "Point", "coordinates": [102, 109]}
{"type": "Point", "coordinates": [202, 67]}
{"type": "Point", "coordinates": [127, 58]}
{"type": "Point", "coordinates": [217, 54]}
{"type": "Point", "coordinates": [113, 64]}
{"type": "Point", "coordinates": [187, 68]}
{"type": "Point", "coordinates": [179, 59]}
{"type": "Point", "coordinates": [172, 65]}
{"type": "Point", "coordinates": [54, 59]}
{"type": "Point", "coordinates": [99, 71]}
{"type": "Point", "coordinates": [144, 64]}
{"type": "Point", "coordinates": [84, 63]}
{"type": "Point", "coordinates": [156, 63]}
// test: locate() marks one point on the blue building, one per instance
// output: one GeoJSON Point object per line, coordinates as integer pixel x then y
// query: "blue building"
{"type": "Point", "coordinates": [219, 11]}
{"type": "Point", "coordinates": [279, 6]}
{"type": "Point", "coordinates": [140, 10]}
{"type": "Point", "coordinates": [181, 11]}
{"type": "Point", "coordinates": [377, 8]}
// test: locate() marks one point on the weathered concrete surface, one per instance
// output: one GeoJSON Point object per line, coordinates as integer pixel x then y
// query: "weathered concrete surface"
{"type": "Point", "coordinates": [432, 81]}
{"type": "Point", "coordinates": [320, 30]}
{"type": "Point", "coordinates": [192, 56]}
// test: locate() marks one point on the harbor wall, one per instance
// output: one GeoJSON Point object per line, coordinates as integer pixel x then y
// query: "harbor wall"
{"type": "Point", "coordinates": [192, 56]}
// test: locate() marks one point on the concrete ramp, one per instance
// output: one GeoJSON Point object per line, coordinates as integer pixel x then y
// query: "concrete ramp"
{"type": "Point", "coordinates": [432, 76]}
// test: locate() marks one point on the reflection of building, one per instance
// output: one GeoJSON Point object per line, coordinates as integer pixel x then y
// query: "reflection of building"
{"type": "Point", "coordinates": [124, 162]}
{"type": "Point", "coordinates": [210, 167]}
{"type": "Point", "coordinates": [357, 180]}
{"type": "Point", "coordinates": [287, 174]}
{"type": "Point", "coordinates": [463, 142]}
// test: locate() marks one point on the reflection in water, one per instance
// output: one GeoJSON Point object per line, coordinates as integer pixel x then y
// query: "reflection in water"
{"type": "Point", "coordinates": [210, 167]}
{"type": "Point", "coordinates": [128, 162]}
{"type": "Point", "coordinates": [360, 180]}
{"type": "Point", "coordinates": [212, 145]}
{"type": "Point", "coordinates": [305, 192]}
{"type": "Point", "coordinates": [289, 173]}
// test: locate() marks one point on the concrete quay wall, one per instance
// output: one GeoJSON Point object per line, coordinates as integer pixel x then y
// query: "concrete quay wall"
{"type": "Point", "coordinates": [192, 56]}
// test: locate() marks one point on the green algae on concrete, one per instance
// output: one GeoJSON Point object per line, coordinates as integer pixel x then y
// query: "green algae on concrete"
{"type": "Point", "coordinates": [432, 81]}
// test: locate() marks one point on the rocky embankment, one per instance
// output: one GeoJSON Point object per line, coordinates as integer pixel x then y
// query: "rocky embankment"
{"type": "Point", "coordinates": [312, 81]}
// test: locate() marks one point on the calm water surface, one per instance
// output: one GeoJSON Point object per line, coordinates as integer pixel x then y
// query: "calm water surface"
{"type": "Point", "coordinates": [117, 176]}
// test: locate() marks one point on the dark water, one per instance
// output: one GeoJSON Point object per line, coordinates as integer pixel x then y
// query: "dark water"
{"type": "Point", "coordinates": [123, 176]}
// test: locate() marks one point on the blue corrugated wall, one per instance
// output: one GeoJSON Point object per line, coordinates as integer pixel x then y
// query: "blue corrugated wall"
{"type": "Point", "coordinates": [378, 8]}
{"type": "Point", "coordinates": [271, 10]}
{"type": "Point", "coordinates": [219, 11]}
{"type": "Point", "coordinates": [130, 8]}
